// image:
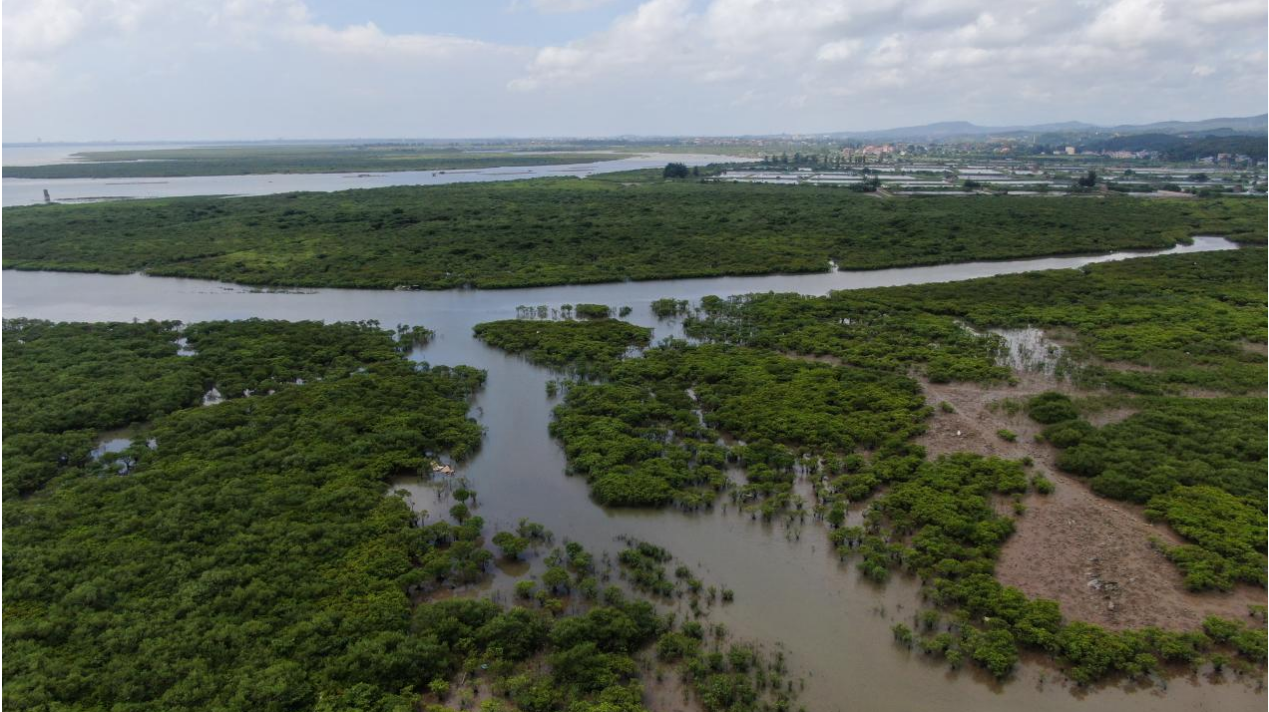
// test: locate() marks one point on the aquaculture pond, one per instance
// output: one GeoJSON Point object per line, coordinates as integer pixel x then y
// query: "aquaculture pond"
{"type": "Point", "coordinates": [789, 586]}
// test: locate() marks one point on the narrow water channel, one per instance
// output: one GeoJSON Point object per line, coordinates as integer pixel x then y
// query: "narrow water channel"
{"type": "Point", "coordinates": [834, 625]}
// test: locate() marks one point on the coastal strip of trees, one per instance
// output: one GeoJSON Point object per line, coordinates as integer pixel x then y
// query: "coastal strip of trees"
{"type": "Point", "coordinates": [567, 230]}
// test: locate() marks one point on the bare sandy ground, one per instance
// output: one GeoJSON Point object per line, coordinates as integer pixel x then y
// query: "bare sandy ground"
{"type": "Point", "coordinates": [1092, 555]}
{"type": "Point", "coordinates": [1256, 348]}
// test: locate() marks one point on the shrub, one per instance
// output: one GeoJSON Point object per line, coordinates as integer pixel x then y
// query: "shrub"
{"type": "Point", "coordinates": [902, 634]}
{"type": "Point", "coordinates": [591, 311]}
{"type": "Point", "coordinates": [1050, 407]}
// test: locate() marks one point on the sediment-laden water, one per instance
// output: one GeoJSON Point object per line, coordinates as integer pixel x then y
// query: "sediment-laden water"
{"type": "Point", "coordinates": [789, 586]}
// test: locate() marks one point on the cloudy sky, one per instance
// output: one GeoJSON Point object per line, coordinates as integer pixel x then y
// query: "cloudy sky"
{"type": "Point", "coordinates": [255, 69]}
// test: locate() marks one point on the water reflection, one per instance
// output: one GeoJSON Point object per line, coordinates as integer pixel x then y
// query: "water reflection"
{"type": "Point", "coordinates": [112, 444]}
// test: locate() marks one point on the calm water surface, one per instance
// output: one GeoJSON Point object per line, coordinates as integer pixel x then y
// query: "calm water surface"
{"type": "Point", "coordinates": [27, 191]}
{"type": "Point", "coordinates": [41, 154]}
{"type": "Point", "coordinates": [789, 586]}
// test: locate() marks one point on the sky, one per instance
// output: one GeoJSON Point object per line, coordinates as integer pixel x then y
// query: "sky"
{"type": "Point", "coordinates": [89, 70]}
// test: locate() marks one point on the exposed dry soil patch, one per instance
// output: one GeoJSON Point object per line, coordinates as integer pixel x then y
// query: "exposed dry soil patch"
{"type": "Point", "coordinates": [1092, 555]}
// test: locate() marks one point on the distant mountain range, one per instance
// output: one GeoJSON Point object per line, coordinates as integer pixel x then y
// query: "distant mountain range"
{"type": "Point", "coordinates": [952, 130]}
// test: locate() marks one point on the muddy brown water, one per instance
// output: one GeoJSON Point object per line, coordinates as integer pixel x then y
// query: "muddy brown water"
{"type": "Point", "coordinates": [789, 586]}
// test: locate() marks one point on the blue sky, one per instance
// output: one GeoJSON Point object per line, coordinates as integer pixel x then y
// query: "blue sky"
{"type": "Point", "coordinates": [84, 70]}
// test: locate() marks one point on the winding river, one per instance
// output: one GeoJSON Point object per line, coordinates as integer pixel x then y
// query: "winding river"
{"type": "Point", "coordinates": [834, 625]}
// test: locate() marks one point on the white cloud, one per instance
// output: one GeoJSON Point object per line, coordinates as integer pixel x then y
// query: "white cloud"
{"type": "Point", "coordinates": [369, 40]}
{"type": "Point", "coordinates": [562, 6]}
{"type": "Point", "coordinates": [725, 74]}
{"type": "Point", "coordinates": [1129, 23]}
{"type": "Point", "coordinates": [837, 51]}
{"type": "Point", "coordinates": [764, 25]}
{"type": "Point", "coordinates": [257, 15]}
{"type": "Point", "coordinates": [892, 51]}
{"type": "Point", "coordinates": [653, 35]}
{"type": "Point", "coordinates": [733, 66]}
{"type": "Point", "coordinates": [34, 29]}
{"type": "Point", "coordinates": [947, 53]}
{"type": "Point", "coordinates": [1224, 12]}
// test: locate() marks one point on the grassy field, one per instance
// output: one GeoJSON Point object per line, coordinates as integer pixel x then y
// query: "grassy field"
{"type": "Point", "coordinates": [245, 160]}
{"type": "Point", "coordinates": [567, 230]}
